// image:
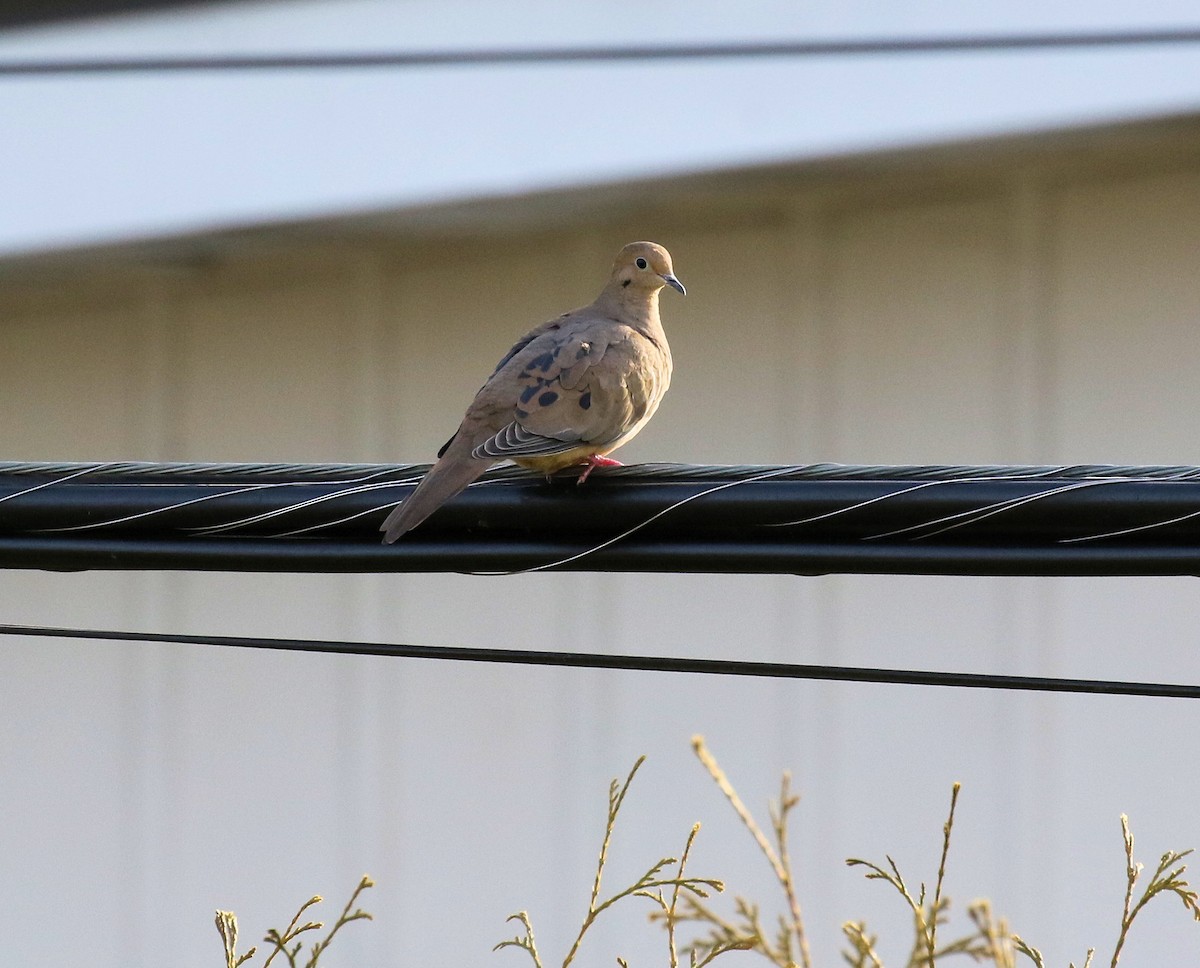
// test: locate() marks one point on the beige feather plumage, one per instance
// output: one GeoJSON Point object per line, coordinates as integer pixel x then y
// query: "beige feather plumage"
{"type": "Point", "coordinates": [569, 392]}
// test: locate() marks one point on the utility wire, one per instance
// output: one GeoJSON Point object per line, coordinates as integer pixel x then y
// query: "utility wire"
{"type": "Point", "coordinates": [639, 663]}
{"type": "Point", "coordinates": [642, 53]}
{"type": "Point", "coordinates": [804, 520]}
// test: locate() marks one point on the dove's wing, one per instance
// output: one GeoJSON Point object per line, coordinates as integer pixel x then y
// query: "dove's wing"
{"type": "Point", "coordinates": [516, 348]}
{"type": "Point", "coordinates": [586, 384]}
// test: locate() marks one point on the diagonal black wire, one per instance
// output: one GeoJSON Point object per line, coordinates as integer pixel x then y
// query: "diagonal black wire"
{"type": "Point", "coordinates": [1000, 42]}
{"type": "Point", "coordinates": [639, 663]}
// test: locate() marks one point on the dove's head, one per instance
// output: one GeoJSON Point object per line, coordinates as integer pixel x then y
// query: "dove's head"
{"type": "Point", "coordinates": [645, 266]}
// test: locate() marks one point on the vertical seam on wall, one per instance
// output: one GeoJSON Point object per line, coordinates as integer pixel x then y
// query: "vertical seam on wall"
{"type": "Point", "coordinates": [1032, 360]}
{"type": "Point", "coordinates": [804, 377]}
{"type": "Point", "coordinates": [149, 383]}
{"type": "Point", "coordinates": [365, 363]}
{"type": "Point", "coordinates": [360, 718]}
{"type": "Point", "coordinates": [807, 333]}
{"type": "Point", "coordinates": [1033, 608]}
{"type": "Point", "coordinates": [365, 422]}
{"type": "Point", "coordinates": [154, 387]}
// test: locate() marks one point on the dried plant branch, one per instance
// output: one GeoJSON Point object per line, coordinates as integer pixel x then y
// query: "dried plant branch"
{"type": "Point", "coordinates": [525, 942]}
{"type": "Point", "coordinates": [993, 933]}
{"type": "Point", "coordinates": [862, 952]}
{"type": "Point", "coordinates": [927, 916]}
{"type": "Point", "coordinates": [893, 877]}
{"type": "Point", "coordinates": [227, 928]}
{"type": "Point", "coordinates": [735, 801]}
{"type": "Point", "coordinates": [1167, 879]}
{"type": "Point", "coordinates": [294, 930]}
{"type": "Point", "coordinates": [668, 912]}
{"type": "Point", "coordinates": [723, 934]}
{"type": "Point", "coordinates": [1029, 952]}
{"type": "Point", "coordinates": [343, 919]}
{"type": "Point", "coordinates": [779, 819]}
{"type": "Point", "coordinates": [682, 899]}
{"type": "Point", "coordinates": [947, 827]}
{"type": "Point", "coordinates": [672, 951]}
{"type": "Point", "coordinates": [779, 860]}
{"type": "Point", "coordinates": [651, 884]}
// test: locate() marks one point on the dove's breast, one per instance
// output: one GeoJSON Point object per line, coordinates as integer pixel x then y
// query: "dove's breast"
{"type": "Point", "coordinates": [644, 384]}
{"type": "Point", "coordinates": [631, 387]}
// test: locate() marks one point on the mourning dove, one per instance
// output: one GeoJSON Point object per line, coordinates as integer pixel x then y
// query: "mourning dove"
{"type": "Point", "coordinates": [569, 392]}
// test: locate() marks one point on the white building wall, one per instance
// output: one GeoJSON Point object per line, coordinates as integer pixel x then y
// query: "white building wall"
{"type": "Point", "coordinates": [1024, 313]}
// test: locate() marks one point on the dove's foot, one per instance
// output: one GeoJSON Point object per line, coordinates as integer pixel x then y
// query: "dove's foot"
{"type": "Point", "coordinates": [597, 461]}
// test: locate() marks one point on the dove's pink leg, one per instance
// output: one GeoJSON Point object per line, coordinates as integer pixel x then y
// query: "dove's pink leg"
{"type": "Point", "coordinates": [597, 461]}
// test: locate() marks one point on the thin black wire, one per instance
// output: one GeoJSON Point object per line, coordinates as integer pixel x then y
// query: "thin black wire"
{"type": "Point", "coordinates": [999, 43]}
{"type": "Point", "coordinates": [638, 663]}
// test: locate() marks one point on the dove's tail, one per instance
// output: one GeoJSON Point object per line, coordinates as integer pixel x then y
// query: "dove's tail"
{"type": "Point", "coordinates": [450, 475]}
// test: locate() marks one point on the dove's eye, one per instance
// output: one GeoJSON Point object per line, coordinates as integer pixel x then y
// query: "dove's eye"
{"type": "Point", "coordinates": [641, 263]}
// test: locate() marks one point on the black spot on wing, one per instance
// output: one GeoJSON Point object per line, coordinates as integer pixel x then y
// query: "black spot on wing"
{"type": "Point", "coordinates": [522, 343]}
{"type": "Point", "coordinates": [516, 348]}
{"type": "Point", "coordinates": [547, 398]}
{"type": "Point", "coordinates": [529, 391]}
{"type": "Point", "coordinates": [585, 400]}
{"type": "Point", "coordinates": [542, 362]}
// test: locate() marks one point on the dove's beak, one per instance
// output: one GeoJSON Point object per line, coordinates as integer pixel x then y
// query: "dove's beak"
{"type": "Point", "coordinates": [674, 283]}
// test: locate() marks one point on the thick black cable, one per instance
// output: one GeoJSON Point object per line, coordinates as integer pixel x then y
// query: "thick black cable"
{"type": "Point", "coordinates": [643, 53]}
{"type": "Point", "coordinates": [806, 520]}
{"type": "Point", "coordinates": [636, 663]}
